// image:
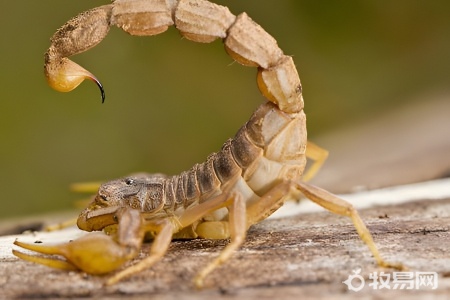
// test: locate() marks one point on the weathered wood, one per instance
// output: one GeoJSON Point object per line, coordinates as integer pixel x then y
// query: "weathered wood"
{"type": "Point", "coordinates": [308, 255]}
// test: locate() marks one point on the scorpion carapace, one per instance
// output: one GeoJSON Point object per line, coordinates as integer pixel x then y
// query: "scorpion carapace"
{"type": "Point", "coordinates": [242, 184]}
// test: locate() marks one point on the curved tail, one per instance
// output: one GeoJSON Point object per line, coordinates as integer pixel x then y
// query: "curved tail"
{"type": "Point", "coordinates": [197, 20]}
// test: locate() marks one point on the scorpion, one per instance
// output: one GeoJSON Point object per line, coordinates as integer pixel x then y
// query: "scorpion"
{"type": "Point", "coordinates": [251, 176]}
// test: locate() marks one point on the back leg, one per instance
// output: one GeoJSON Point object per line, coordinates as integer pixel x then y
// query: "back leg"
{"type": "Point", "coordinates": [341, 207]}
{"type": "Point", "coordinates": [273, 199]}
{"type": "Point", "coordinates": [318, 155]}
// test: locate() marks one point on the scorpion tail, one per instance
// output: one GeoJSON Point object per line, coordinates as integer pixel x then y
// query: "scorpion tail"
{"type": "Point", "coordinates": [79, 34]}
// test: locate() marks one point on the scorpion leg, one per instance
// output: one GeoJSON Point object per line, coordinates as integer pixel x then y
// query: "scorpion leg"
{"type": "Point", "coordinates": [238, 228]}
{"type": "Point", "coordinates": [318, 155]}
{"type": "Point", "coordinates": [85, 187]}
{"type": "Point", "coordinates": [61, 225]}
{"type": "Point", "coordinates": [95, 253]}
{"type": "Point", "coordinates": [164, 230]}
{"type": "Point", "coordinates": [273, 199]}
{"type": "Point", "coordinates": [341, 207]}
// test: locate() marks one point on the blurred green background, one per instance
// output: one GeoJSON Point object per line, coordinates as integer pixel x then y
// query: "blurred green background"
{"type": "Point", "coordinates": [171, 102]}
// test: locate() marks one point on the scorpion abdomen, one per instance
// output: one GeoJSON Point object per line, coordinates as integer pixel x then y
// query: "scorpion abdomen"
{"type": "Point", "coordinates": [253, 154]}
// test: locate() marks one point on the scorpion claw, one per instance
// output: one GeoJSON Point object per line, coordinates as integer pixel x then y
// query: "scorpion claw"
{"type": "Point", "coordinates": [94, 253]}
{"type": "Point", "coordinates": [49, 262]}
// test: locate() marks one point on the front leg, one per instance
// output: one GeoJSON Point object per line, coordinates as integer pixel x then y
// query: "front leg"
{"type": "Point", "coordinates": [164, 230]}
{"type": "Point", "coordinates": [237, 224]}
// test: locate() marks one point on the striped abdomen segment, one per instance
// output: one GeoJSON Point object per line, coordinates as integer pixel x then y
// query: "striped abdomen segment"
{"type": "Point", "coordinates": [269, 143]}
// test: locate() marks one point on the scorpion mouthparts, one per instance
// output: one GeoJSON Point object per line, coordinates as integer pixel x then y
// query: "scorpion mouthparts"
{"type": "Point", "coordinates": [97, 219]}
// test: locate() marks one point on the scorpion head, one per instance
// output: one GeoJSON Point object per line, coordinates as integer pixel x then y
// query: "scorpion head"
{"type": "Point", "coordinates": [133, 191]}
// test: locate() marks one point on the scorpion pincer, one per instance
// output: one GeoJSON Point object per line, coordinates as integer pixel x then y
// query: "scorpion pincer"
{"type": "Point", "coordinates": [252, 175]}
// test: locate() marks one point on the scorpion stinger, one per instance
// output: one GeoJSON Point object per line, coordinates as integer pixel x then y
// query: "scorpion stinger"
{"type": "Point", "coordinates": [78, 35]}
{"type": "Point", "coordinates": [100, 86]}
{"type": "Point", "coordinates": [65, 75]}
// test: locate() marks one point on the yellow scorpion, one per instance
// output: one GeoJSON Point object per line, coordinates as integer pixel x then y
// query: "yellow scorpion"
{"type": "Point", "coordinates": [251, 176]}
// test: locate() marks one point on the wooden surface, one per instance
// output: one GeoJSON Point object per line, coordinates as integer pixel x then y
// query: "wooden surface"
{"type": "Point", "coordinates": [308, 255]}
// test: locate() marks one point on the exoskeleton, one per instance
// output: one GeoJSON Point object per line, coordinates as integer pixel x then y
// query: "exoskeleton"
{"type": "Point", "coordinates": [253, 174]}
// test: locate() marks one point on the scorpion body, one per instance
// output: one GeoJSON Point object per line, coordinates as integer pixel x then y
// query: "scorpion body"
{"type": "Point", "coordinates": [242, 184]}
{"type": "Point", "coordinates": [240, 166]}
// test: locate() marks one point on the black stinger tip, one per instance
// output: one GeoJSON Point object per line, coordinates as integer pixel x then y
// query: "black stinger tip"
{"type": "Point", "coordinates": [102, 90]}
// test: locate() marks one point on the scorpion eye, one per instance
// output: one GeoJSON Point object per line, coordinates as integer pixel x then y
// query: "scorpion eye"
{"type": "Point", "coordinates": [129, 181]}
